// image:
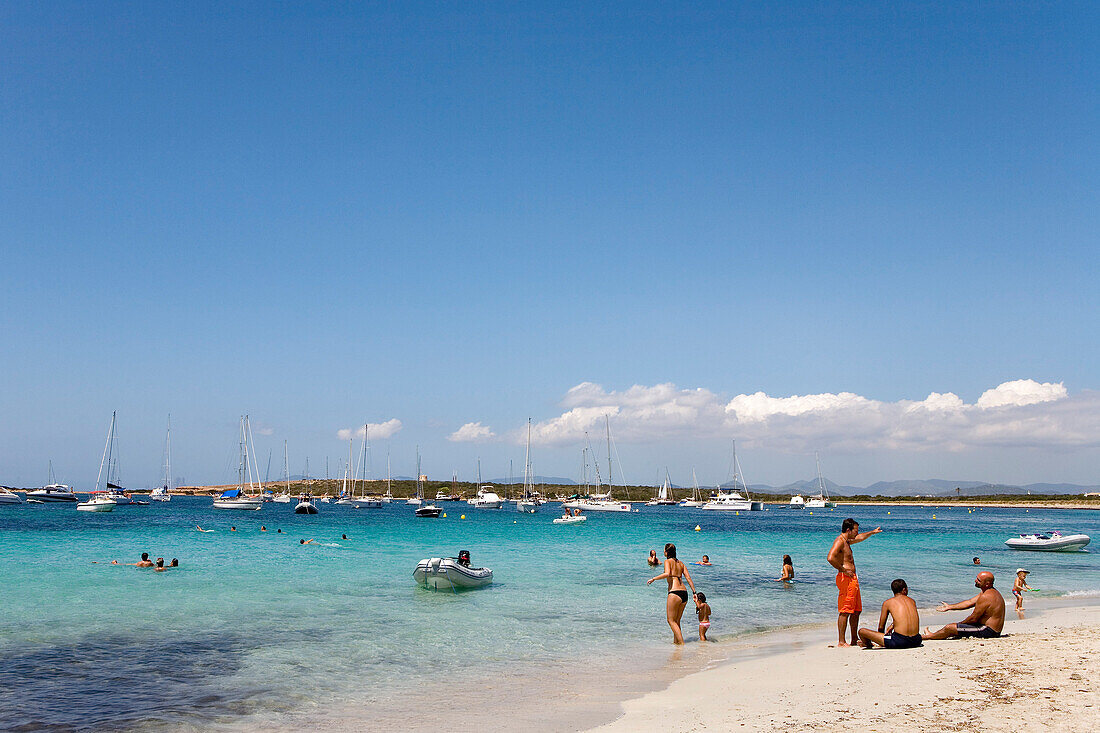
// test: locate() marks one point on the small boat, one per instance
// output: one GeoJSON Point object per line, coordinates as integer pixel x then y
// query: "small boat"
{"type": "Point", "coordinates": [664, 494]}
{"type": "Point", "coordinates": [797, 502]}
{"type": "Point", "coordinates": [305, 505]}
{"type": "Point", "coordinates": [1052, 542]}
{"type": "Point", "coordinates": [570, 519]}
{"type": "Point", "coordinates": [99, 502]}
{"type": "Point", "coordinates": [451, 573]}
{"type": "Point", "coordinates": [51, 493]}
{"type": "Point", "coordinates": [822, 499]}
{"type": "Point", "coordinates": [7, 496]}
{"type": "Point", "coordinates": [237, 498]}
{"type": "Point", "coordinates": [694, 502]}
{"type": "Point", "coordinates": [428, 510]}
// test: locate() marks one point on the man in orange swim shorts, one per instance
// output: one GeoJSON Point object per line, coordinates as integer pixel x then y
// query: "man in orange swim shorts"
{"type": "Point", "coordinates": [849, 604]}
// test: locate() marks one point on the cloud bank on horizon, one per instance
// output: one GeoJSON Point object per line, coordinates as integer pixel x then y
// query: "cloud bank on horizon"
{"type": "Point", "coordinates": [1020, 413]}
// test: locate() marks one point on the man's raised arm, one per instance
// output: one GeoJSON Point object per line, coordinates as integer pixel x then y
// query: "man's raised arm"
{"type": "Point", "coordinates": [864, 535]}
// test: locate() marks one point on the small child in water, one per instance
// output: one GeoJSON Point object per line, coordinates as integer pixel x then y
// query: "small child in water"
{"type": "Point", "coordinates": [703, 609]}
{"type": "Point", "coordinates": [1018, 588]}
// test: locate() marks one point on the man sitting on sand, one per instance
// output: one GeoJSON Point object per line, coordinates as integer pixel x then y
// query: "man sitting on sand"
{"type": "Point", "coordinates": [985, 622]}
{"type": "Point", "coordinates": [904, 632]}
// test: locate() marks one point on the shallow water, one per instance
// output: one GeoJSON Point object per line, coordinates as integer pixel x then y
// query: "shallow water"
{"type": "Point", "coordinates": [255, 627]}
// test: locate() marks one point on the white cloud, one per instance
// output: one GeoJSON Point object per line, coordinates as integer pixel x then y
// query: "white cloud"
{"type": "Point", "coordinates": [381, 430]}
{"type": "Point", "coordinates": [1020, 413]}
{"type": "Point", "coordinates": [472, 432]}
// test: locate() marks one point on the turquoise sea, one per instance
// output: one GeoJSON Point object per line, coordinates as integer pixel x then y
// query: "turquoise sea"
{"type": "Point", "coordinates": [255, 629]}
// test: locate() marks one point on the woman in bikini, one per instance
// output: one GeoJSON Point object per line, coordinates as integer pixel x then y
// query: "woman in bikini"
{"type": "Point", "coordinates": [676, 602]}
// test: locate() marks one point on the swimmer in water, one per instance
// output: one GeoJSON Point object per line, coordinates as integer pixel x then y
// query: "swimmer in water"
{"type": "Point", "coordinates": [144, 562]}
{"type": "Point", "coordinates": [653, 558]}
{"type": "Point", "coordinates": [343, 536]}
{"type": "Point", "coordinates": [203, 530]}
{"type": "Point", "coordinates": [232, 529]}
{"type": "Point", "coordinates": [788, 570]}
{"type": "Point", "coordinates": [704, 561]}
{"type": "Point", "coordinates": [263, 528]}
{"type": "Point", "coordinates": [278, 531]}
{"type": "Point", "coordinates": [305, 542]}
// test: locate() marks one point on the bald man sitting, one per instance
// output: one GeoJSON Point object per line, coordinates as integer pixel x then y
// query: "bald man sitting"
{"type": "Point", "coordinates": [986, 620]}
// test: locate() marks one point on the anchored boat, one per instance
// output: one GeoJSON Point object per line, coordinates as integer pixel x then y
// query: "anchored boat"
{"type": "Point", "coordinates": [1052, 542]}
{"type": "Point", "coordinates": [451, 573]}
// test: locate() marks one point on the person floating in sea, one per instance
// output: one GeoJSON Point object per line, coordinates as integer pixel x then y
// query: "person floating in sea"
{"type": "Point", "coordinates": [232, 529]}
{"type": "Point", "coordinates": [977, 561]}
{"type": "Point", "coordinates": [160, 565]}
{"type": "Point", "coordinates": [703, 610]}
{"type": "Point", "coordinates": [986, 621]}
{"type": "Point", "coordinates": [144, 562]}
{"type": "Point", "coordinates": [653, 558]}
{"type": "Point", "coordinates": [343, 536]}
{"type": "Point", "coordinates": [787, 574]}
{"type": "Point", "coordinates": [263, 528]}
{"type": "Point", "coordinates": [904, 631]}
{"type": "Point", "coordinates": [849, 604]}
{"type": "Point", "coordinates": [676, 601]}
{"type": "Point", "coordinates": [305, 542]}
{"type": "Point", "coordinates": [1018, 588]}
{"type": "Point", "coordinates": [704, 561]}
{"type": "Point", "coordinates": [174, 564]}
{"type": "Point", "coordinates": [203, 530]}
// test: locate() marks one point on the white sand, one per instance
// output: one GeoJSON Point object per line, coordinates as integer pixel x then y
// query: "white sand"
{"type": "Point", "coordinates": [1044, 674]}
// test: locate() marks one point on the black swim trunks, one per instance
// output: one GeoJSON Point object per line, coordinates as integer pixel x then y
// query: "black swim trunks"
{"type": "Point", "coordinates": [974, 631]}
{"type": "Point", "coordinates": [900, 641]}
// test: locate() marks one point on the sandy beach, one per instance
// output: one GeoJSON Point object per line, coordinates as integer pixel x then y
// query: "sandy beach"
{"type": "Point", "coordinates": [1044, 672]}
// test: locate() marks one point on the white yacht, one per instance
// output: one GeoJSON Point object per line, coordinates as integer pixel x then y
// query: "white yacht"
{"type": "Point", "coordinates": [486, 498]}
{"type": "Point", "coordinates": [693, 502]}
{"type": "Point", "coordinates": [731, 499]}
{"type": "Point", "coordinates": [821, 500]}
{"type": "Point", "coordinates": [53, 492]}
{"type": "Point", "coordinates": [529, 502]}
{"type": "Point", "coordinates": [797, 502]}
{"type": "Point", "coordinates": [600, 502]}
{"type": "Point", "coordinates": [7, 496]}
{"type": "Point", "coordinates": [161, 493]}
{"type": "Point", "coordinates": [664, 494]}
{"type": "Point", "coordinates": [97, 502]}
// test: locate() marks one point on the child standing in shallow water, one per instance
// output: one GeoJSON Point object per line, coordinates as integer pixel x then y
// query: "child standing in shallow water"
{"type": "Point", "coordinates": [1019, 587]}
{"type": "Point", "coordinates": [703, 609]}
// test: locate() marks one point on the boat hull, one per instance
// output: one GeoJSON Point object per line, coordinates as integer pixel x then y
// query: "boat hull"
{"type": "Point", "coordinates": [305, 507]}
{"type": "Point", "coordinates": [52, 496]}
{"type": "Point", "coordinates": [366, 503]}
{"type": "Point", "coordinates": [95, 506]}
{"type": "Point", "coordinates": [243, 504]}
{"type": "Point", "coordinates": [10, 499]}
{"type": "Point", "coordinates": [570, 520]}
{"type": "Point", "coordinates": [1068, 543]}
{"type": "Point", "coordinates": [445, 573]}
{"type": "Point", "coordinates": [597, 507]}
{"type": "Point", "coordinates": [735, 506]}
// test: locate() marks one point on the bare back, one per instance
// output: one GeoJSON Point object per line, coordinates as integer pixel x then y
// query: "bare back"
{"type": "Point", "coordinates": [675, 570]}
{"type": "Point", "coordinates": [903, 612]}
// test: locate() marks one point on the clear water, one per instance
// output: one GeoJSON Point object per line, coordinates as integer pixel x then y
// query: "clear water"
{"type": "Point", "coordinates": [255, 627]}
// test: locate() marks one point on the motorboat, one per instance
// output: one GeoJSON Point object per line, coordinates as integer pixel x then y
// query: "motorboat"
{"type": "Point", "coordinates": [1051, 542]}
{"type": "Point", "coordinates": [305, 505]}
{"type": "Point", "coordinates": [367, 502]}
{"type": "Point", "coordinates": [730, 500]}
{"type": "Point", "coordinates": [160, 493]}
{"type": "Point", "coordinates": [118, 495]}
{"type": "Point", "coordinates": [797, 502]}
{"type": "Point", "coordinates": [53, 492]}
{"type": "Point", "coordinates": [98, 502]}
{"type": "Point", "coordinates": [571, 519]}
{"type": "Point", "coordinates": [486, 498]}
{"type": "Point", "coordinates": [451, 573]}
{"type": "Point", "coordinates": [7, 496]}
{"type": "Point", "coordinates": [430, 511]}
{"type": "Point", "coordinates": [236, 499]}
{"type": "Point", "coordinates": [693, 502]}
{"type": "Point", "coordinates": [281, 498]}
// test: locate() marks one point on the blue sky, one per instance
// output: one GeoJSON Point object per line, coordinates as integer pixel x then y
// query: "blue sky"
{"type": "Point", "coordinates": [324, 215]}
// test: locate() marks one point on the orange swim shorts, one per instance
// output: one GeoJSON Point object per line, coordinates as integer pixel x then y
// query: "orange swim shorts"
{"type": "Point", "coordinates": [849, 600]}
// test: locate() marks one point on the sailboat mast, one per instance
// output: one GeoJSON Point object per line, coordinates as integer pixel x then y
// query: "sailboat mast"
{"type": "Point", "coordinates": [527, 462]}
{"type": "Point", "coordinates": [610, 477]}
{"type": "Point", "coordinates": [418, 489]}
{"type": "Point", "coordinates": [168, 461]}
{"type": "Point", "coordinates": [106, 447]}
{"type": "Point", "coordinates": [286, 467]}
{"type": "Point", "coordinates": [240, 463]}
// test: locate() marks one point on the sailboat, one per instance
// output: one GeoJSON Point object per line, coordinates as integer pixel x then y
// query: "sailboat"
{"type": "Point", "coordinates": [284, 496]}
{"type": "Point", "coordinates": [694, 501]}
{"type": "Point", "coordinates": [664, 494]}
{"type": "Point", "coordinates": [527, 504]}
{"type": "Point", "coordinates": [52, 491]}
{"type": "Point", "coordinates": [821, 500]}
{"type": "Point", "coordinates": [237, 498]}
{"type": "Point", "coordinates": [731, 499]}
{"type": "Point", "coordinates": [601, 502]}
{"type": "Point", "coordinates": [388, 496]}
{"type": "Point", "coordinates": [423, 509]}
{"type": "Point", "coordinates": [363, 501]}
{"type": "Point", "coordinates": [487, 497]}
{"type": "Point", "coordinates": [99, 501]}
{"type": "Point", "coordinates": [161, 493]}
{"type": "Point", "coordinates": [345, 493]}
{"type": "Point", "coordinates": [114, 490]}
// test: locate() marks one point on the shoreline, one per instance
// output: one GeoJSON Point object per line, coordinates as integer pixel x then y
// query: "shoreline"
{"type": "Point", "coordinates": [1045, 667]}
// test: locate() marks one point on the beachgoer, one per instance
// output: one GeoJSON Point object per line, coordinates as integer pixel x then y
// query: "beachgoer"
{"type": "Point", "coordinates": [676, 601]}
{"type": "Point", "coordinates": [203, 530]}
{"type": "Point", "coordinates": [986, 621]}
{"type": "Point", "coordinates": [305, 542]}
{"type": "Point", "coordinates": [703, 610]}
{"type": "Point", "coordinates": [904, 632]}
{"type": "Point", "coordinates": [145, 562]}
{"type": "Point", "coordinates": [653, 558]}
{"type": "Point", "coordinates": [849, 604]}
{"type": "Point", "coordinates": [160, 565]}
{"type": "Point", "coordinates": [977, 561]}
{"type": "Point", "coordinates": [278, 531]}
{"type": "Point", "coordinates": [343, 536]}
{"type": "Point", "coordinates": [174, 564]}
{"type": "Point", "coordinates": [787, 574]}
{"type": "Point", "coordinates": [263, 528]}
{"type": "Point", "coordinates": [232, 529]}
{"type": "Point", "coordinates": [1018, 588]}
{"type": "Point", "coordinates": [705, 561]}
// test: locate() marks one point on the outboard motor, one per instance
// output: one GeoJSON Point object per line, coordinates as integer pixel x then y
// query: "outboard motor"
{"type": "Point", "coordinates": [464, 558]}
